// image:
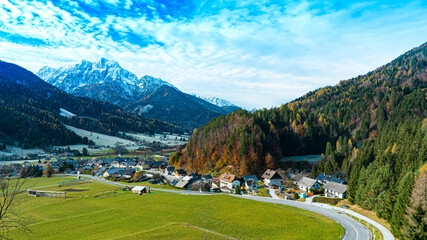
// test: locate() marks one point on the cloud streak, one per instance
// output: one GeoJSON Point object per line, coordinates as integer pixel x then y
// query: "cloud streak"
{"type": "Point", "coordinates": [253, 53]}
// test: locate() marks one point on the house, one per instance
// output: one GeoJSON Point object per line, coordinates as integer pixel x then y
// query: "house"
{"type": "Point", "coordinates": [207, 178]}
{"type": "Point", "coordinates": [115, 164]}
{"type": "Point", "coordinates": [335, 190]}
{"type": "Point", "coordinates": [180, 173]}
{"type": "Point", "coordinates": [297, 177]}
{"type": "Point", "coordinates": [126, 173]}
{"type": "Point", "coordinates": [187, 178]}
{"type": "Point", "coordinates": [251, 182]}
{"type": "Point", "coordinates": [157, 165]}
{"type": "Point", "coordinates": [226, 180]}
{"type": "Point", "coordinates": [253, 177]}
{"type": "Point", "coordinates": [140, 166]}
{"type": "Point", "coordinates": [141, 189]}
{"type": "Point", "coordinates": [98, 172]}
{"type": "Point", "coordinates": [132, 165]}
{"type": "Point", "coordinates": [306, 184]}
{"type": "Point", "coordinates": [168, 170]}
{"type": "Point", "coordinates": [124, 165]}
{"type": "Point", "coordinates": [251, 185]}
{"type": "Point", "coordinates": [324, 179]}
{"type": "Point", "coordinates": [195, 176]}
{"type": "Point", "coordinates": [271, 178]}
{"type": "Point", "coordinates": [112, 172]}
{"type": "Point", "coordinates": [182, 183]}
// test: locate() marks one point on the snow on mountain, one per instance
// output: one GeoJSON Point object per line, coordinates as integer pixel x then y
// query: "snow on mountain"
{"type": "Point", "coordinates": [217, 101]}
{"type": "Point", "coordinates": [147, 96]}
{"type": "Point", "coordinates": [66, 113]}
{"type": "Point", "coordinates": [104, 80]}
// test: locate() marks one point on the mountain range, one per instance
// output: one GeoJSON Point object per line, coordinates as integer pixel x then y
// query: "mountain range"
{"type": "Point", "coordinates": [147, 96]}
{"type": "Point", "coordinates": [31, 113]}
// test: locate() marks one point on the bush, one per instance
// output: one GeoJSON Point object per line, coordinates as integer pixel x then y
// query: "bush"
{"type": "Point", "coordinates": [237, 190]}
{"type": "Point", "coordinates": [331, 201]}
{"type": "Point", "coordinates": [317, 191]}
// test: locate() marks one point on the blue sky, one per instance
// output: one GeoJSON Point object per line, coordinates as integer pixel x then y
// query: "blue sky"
{"type": "Point", "coordinates": [253, 53]}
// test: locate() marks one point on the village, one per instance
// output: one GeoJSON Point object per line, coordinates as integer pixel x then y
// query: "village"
{"type": "Point", "coordinates": [290, 184]}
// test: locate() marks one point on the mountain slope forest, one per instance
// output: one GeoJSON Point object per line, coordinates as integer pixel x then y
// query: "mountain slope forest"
{"type": "Point", "coordinates": [30, 113]}
{"type": "Point", "coordinates": [181, 109]}
{"type": "Point", "coordinates": [371, 130]}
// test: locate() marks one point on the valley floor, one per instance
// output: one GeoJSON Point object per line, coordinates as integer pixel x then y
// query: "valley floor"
{"type": "Point", "coordinates": [100, 211]}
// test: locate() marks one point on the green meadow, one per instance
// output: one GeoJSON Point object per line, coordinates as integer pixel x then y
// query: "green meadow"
{"type": "Point", "coordinates": [101, 211]}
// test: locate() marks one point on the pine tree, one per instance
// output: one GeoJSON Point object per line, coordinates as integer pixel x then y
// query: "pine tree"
{"type": "Point", "coordinates": [314, 172]}
{"type": "Point", "coordinates": [329, 168]}
{"type": "Point", "coordinates": [404, 192]}
{"type": "Point", "coordinates": [328, 150]}
{"type": "Point", "coordinates": [416, 211]}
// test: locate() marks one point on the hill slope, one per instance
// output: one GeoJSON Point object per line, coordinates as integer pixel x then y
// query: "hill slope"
{"type": "Point", "coordinates": [171, 105]}
{"type": "Point", "coordinates": [371, 128]}
{"type": "Point", "coordinates": [30, 112]}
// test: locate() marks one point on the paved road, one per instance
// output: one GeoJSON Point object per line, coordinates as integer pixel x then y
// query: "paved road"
{"type": "Point", "coordinates": [353, 229]}
{"type": "Point", "coordinates": [385, 232]}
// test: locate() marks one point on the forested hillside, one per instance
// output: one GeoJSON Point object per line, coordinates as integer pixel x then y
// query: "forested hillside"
{"type": "Point", "coordinates": [30, 107]}
{"type": "Point", "coordinates": [371, 130]}
{"type": "Point", "coordinates": [181, 109]}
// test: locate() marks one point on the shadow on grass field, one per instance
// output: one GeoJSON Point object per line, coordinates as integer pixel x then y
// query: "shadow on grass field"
{"type": "Point", "coordinates": [103, 211]}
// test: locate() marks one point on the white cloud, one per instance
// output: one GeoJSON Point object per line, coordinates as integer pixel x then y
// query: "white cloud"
{"type": "Point", "coordinates": [254, 60]}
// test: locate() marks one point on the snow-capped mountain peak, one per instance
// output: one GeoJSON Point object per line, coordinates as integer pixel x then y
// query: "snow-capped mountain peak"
{"type": "Point", "coordinates": [104, 80]}
{"type": "Point", "coordinates": [217, 101]}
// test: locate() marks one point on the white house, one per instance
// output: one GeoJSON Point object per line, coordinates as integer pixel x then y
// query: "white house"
{"type": "Point", "coordinates": [271, 178]}
{"type": "Point", "coordinates": [306, 184]}
{"type": "Point", "coordinates": [226, 180]}
{"type": "Point", "coordinates": [335, 190]}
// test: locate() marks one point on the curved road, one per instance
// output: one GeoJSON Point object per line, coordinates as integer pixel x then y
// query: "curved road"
{"type": "Point", "coordinates": [353, 229]}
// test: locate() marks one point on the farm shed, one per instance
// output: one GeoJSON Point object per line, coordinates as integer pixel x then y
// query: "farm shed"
{"type": "Point", "coordinates": [141, 189]}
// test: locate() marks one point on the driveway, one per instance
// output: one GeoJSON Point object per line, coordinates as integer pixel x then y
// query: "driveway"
{"type": "Point", "coordinates": [273, 194]}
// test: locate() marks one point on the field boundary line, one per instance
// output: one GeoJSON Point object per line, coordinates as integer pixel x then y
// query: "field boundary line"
{"type": "Point", "coordinates": [206, 230]}
{"type": "Point", "coordinates": [184, 224]}
{"type": "Point", "coordinates": [71, 217]}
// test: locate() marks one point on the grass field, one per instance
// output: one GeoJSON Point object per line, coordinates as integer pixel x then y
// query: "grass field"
{"type": "Point", "coordinates": [101, 211]}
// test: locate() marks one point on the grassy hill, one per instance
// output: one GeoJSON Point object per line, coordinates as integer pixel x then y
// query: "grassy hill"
{"type": "Point", "coordinates": [102, 211]}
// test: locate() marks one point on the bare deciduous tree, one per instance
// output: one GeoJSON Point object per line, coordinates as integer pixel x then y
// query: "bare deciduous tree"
{"type": "Point", "coordinates": [10, 219]}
